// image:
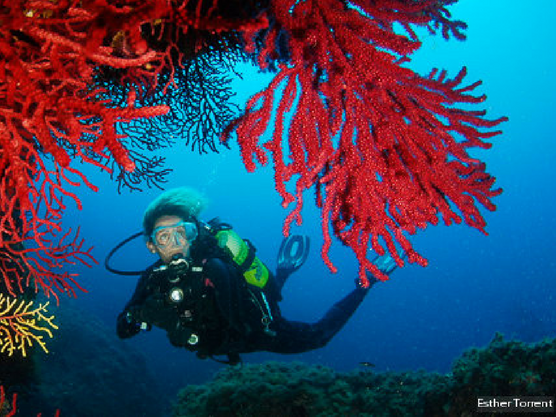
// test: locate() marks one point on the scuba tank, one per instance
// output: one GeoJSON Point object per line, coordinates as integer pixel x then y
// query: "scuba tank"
{"type": "Point", "coordinates": [242, 252]}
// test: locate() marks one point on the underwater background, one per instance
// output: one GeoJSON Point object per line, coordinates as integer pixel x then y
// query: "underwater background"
{"type": "Point", "coordinates": [422, 318]}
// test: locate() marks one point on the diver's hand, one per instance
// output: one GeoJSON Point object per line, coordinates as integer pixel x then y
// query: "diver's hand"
{"type": "Point", "coordinates": [149, 310]}
{"type": "Point", "coordinates": [155, 311]}
{"type": "Point", "coordinates": [126, 326]}
{"type": "Point", "coordinates": [386, 263]}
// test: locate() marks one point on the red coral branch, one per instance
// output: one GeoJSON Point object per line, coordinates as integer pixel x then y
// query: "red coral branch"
{"type": "Point", "coordinates": [5, 406]}
{"type": "Point", "coordinates": [49, 113]}
{"type": "Point", "coordinates": [386, 147]}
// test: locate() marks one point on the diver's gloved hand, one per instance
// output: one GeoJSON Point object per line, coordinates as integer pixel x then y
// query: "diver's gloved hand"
{"type": "Point", "coordinates": [155, 311]}
{"type": "Point", "coordinates": [126, 326]}
{"type": "Point", "coordinates": [385, 263]}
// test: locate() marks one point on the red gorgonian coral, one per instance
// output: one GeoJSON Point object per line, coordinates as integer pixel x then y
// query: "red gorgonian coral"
{"type": "Point", "coordinates": [385, 148]}
{"type": "Point", "coordinates": [50, 114]}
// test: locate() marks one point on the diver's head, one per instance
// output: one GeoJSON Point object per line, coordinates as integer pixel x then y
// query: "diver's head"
{"type": "Point", "coordinates": [170, 222]}
{"type": "Point", "coordinates": [172, 236]}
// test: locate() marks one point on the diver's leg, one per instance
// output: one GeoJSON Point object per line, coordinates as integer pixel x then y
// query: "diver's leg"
{"type": "Point", "coordinates": [280, 279]}
{"type": "Point", "coordinates": [297, 337]}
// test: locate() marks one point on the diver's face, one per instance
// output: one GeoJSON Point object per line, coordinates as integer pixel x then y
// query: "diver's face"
{"type": "Point", "coordinates": [169, 238]}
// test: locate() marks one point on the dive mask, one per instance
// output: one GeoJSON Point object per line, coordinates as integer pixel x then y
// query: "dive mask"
{"type": "Point", "coordinates": [177, 234]}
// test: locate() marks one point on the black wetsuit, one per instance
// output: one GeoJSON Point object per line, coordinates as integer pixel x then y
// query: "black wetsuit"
{"type": "Point", "coordinates": [223, 315]}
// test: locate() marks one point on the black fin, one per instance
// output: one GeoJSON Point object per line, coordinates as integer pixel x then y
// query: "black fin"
{"type": "Point", "coordinates": [293, 253]}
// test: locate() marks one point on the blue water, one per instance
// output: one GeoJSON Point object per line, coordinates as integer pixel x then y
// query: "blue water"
{"type": "Point", "coordinates": [474, 286]}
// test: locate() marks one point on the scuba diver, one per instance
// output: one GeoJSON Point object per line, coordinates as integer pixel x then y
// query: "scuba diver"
{"type": "Point", "coordinates": [213, 295]}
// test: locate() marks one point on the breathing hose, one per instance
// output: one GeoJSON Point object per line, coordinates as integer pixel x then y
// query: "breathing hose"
{"type": "Point", "coordinates": [113, 251]}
